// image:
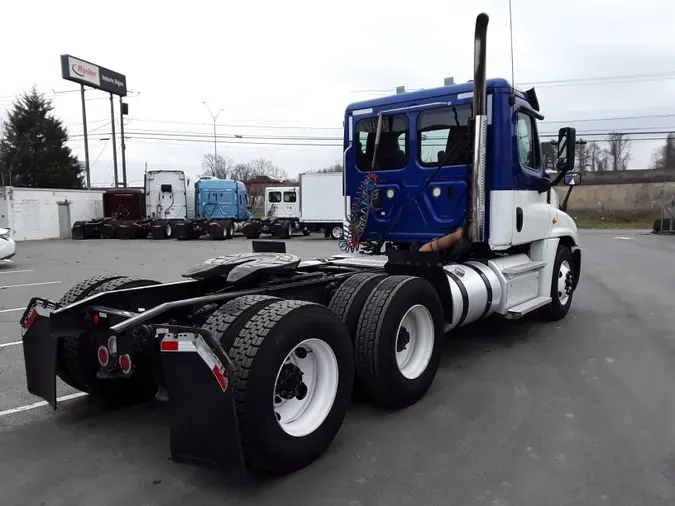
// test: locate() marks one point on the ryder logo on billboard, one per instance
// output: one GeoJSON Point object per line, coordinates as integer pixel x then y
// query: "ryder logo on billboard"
{"type": "Point", "coordinates": [84, 71]}
{"type": "Point", "coordinates": [88, 74]}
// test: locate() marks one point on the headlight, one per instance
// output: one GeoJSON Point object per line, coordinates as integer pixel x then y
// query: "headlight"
{"type": "Point", "coordinates": [5, 236]}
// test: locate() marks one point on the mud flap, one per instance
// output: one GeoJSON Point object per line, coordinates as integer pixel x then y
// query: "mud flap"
{"type": "Point", "coordinates": [204, 423]}
{"type": "Point", "coordinates": [39, 350]}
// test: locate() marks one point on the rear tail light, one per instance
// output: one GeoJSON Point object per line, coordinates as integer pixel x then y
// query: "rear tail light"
{"type": "Point", "coordinates": [103, 356]}
{"type": "Point", "coordinates": [125, 364]}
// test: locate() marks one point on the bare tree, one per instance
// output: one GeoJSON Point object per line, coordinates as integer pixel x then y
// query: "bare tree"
{"type": "Point", "coordinates": [336, 167]}
{"type": "Point", "coordinates": [618, 152]}
{"type": "Point", "coordinates": [583, 158]}
{"type": "Point", "coordinates": [548, 155]}
{"type": "Point", "coordinates": [220, 167]}
{"type": "Point", "coordinates": [264, 167]}
{"type": "Point", "coordinates": [596, 156]}
{"type": "Point", "coordinates": [242, 172]}
{"type": "Point", "coordinates": [663, 157]}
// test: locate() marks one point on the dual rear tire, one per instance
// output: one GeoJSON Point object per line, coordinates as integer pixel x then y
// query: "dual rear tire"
{"type": "Point", "coordinates": [396, 325]}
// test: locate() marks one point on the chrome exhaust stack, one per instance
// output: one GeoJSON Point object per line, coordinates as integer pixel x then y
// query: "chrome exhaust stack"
{"type": "Point", "coordinates": [477, 230]}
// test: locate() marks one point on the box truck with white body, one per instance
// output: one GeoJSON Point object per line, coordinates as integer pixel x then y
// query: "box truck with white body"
{"type": "Point", "coordinates": [322, 205]}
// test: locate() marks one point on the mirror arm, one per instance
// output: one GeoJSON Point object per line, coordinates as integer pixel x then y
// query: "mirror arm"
{"type": "Point", "coordinates": [545, 185]}
{"type": "Point", "coordinates": [563, 206]}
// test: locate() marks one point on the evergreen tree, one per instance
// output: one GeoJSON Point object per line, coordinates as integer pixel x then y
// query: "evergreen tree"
{"type": "Point", "coordinates": [33, 150]}
{"type": "Point", "coordinates": [664, 156]}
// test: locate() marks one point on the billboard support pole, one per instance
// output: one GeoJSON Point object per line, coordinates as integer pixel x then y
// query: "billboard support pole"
{"type": "Point", "coordinates": [124, 146]}
{"type": "Point", "coordinates": [86, 141]}
{"type": "Point", "coordinates": [114, 146]}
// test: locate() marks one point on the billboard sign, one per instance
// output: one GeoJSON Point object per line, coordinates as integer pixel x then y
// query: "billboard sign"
{"type": "Point", "coordinates": [83, 72]}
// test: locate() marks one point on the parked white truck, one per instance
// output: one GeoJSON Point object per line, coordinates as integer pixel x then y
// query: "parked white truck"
{"type": "Point", "coordinates": [315, 205]}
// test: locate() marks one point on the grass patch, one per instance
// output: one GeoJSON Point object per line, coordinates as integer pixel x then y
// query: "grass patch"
{"type": "Point", "coordinates": [614, 219]}
{"type": "Point", "coordinates": [609, 224]}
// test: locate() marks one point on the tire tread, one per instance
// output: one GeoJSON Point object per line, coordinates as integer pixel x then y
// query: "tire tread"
{"type": "Point", "coordinates": [369, 321]}
{"type": "Point", "coordinates": [243, 352]}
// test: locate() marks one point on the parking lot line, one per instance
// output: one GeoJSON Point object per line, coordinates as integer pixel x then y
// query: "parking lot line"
{"type": "Point", "coordinates": [12, 310]}
{"type": "Point", "coordinates": [31, 284]}
{"type": "Point", "coordinates": [10, 344]}
{"type": "Point", "coordinates": [15, 271]}
{"type": "Point", "coordinates": [40, 404]}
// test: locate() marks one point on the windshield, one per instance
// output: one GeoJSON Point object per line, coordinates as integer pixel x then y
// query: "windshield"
{"type": "Point", "coordinates": [289, 197]}
{"type": "Point", "coordinates": [274, 197]}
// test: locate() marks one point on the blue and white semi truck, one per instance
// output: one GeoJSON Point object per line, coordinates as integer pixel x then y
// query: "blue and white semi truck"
{"type": "Point", "coordinates": [454, 219]}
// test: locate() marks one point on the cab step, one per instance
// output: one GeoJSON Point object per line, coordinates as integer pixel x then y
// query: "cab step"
{"type": "Point", "coordinates": [527, 307]}
{"type": "Point", "coordinates": [523, 268]}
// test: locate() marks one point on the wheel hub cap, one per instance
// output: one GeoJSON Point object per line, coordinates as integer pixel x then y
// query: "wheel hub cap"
{"type": "Point", "coordinates": [565, 282]}
{"type": "Point", "coordinates": [289, 384]}
{"type": "Point", "coordinates": [403, 340]}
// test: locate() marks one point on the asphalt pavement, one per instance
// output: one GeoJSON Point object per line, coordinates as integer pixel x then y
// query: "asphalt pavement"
{"type": "Point", "coordinates": [579, 412]}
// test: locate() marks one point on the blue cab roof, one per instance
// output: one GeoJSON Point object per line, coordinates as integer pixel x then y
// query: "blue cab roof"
{"type": "Point", "coordinates": [217, 184]}
{"type": "Point", "coordinates": [430, 93]}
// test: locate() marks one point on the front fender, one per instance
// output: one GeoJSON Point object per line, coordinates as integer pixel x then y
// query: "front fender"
{"type": "Point", "coordinates": [564, 226]}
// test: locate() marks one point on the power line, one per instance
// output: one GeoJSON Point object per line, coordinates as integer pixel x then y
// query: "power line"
{"type": "Point", "coordinates": [654, 76]}
{"type": "Point", "coordinates": [303, 127]}
{"type": "Point", "coordinates": [100, 153]}
{"type": "Point", "coordinates": [184, 135]}
{"type": "Point", "coordinates": [289, 127]}
{"type": "Point", "coordinates": [242, 142]}
{"type": "Point", "coordinates": [577, 81]}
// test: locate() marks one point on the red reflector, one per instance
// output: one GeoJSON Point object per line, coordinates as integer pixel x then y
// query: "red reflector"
{"type": "Point", "coordinates": [103, 355]}
{"type": "Point", "coordinates": [125, 364]}
{"type": "Point", "coordinates": [31, 318]}
{"type": "Point", "coordinates": [169, 346]}
{"type": "Point", "coordinates": [222, 380]}
{"type": "Point", "coordinates": [95, 319]}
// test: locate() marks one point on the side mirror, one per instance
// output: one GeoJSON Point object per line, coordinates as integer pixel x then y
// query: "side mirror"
{"type": "Point", "coordinates": [567, 145]}
{"type": "Point", "coordinates": [572, 179]}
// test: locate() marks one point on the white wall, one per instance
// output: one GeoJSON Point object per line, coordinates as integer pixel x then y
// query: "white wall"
{"type": "Point", "coordinates": [32, 213]}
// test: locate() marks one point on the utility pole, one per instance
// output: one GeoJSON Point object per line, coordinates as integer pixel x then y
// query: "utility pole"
{"type": "Point", "coordinates": [86, 140]}
{"type": "Point", "coordinates": [215, 142]}
{"type": "Point", "coordinates": [112, 122]}
{"type": "Point", "coordinates": [124, 110]}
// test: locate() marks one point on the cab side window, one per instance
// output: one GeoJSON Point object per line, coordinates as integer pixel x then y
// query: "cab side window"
{"type": "Point", "coordinates": [527, 142]}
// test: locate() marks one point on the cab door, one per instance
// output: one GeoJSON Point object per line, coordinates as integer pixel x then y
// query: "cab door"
{"type": "Point", "coordinates": [532, 209]}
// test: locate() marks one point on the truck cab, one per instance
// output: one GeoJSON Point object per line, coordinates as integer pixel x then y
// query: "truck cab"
{"type": "Point", "coordinates": [281, 203]}
{"type": "Point", "coordinates": [422, 129]}
{"type": "Point", "coordinates": [221, 199]}
{"type": "Point", "coordinates": [169, 195]}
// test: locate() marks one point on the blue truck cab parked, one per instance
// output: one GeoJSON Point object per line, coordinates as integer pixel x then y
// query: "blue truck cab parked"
{"type": "Point", "coordinates": [221, 208]}
{"type": "Point", "coordinates": [221, 199]}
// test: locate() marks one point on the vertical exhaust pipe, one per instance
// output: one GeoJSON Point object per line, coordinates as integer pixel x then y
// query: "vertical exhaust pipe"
{"type": "Point", "coordinates": [477, 229]}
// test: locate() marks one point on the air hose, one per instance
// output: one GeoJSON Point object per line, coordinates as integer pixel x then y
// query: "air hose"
{"type": "Point", "coordinates": [361, 205]}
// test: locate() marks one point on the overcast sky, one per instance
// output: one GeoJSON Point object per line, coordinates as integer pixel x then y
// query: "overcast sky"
{"type": "Point", "coordinates": [292, 67]}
